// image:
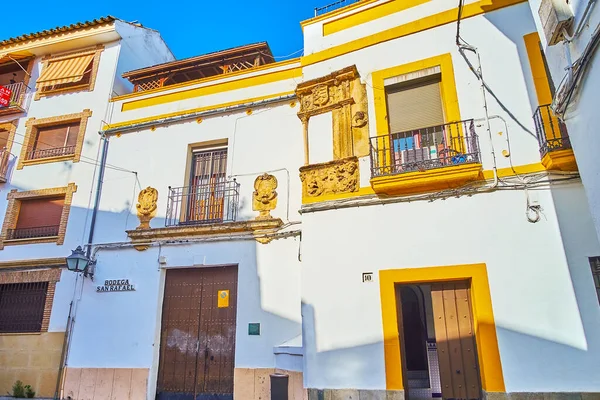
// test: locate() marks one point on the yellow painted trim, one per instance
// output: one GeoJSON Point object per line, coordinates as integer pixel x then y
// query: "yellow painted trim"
{"type": "Point", "coordinates": [538, 70]}
{"type": "Point", "coordinates": [196, 110]}
{"type": "Point", "coordinates": [487, 174]}
{"type": "Point", "coordinates": [520, 169]}
{"type": "Point", "coordinates": [426, 181]}
{"type": "Point", "coordinates": [368, 15]}
{"type": "Point", "coordinates": [337, 12]}
{"type": "Point", "coordinates": [561, 160]}
{"type": "Point", "coordinates": [492, 378]}
{"type": "Point", "coordinates": [448, 87]}
{"type": "Point", "coordinates": [265, 67]}
{"type": "Point", "coordinates": [422, 24]}
{"type": "Point", "coordinates": [212, 89]}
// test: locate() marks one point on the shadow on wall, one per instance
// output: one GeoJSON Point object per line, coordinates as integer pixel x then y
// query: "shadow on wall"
{"type": "Point", "coordinates": [529, 363]}
{"type": "Point", "coordinates": [497, 93]}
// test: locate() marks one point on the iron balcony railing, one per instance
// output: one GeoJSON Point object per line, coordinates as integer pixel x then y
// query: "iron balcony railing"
{"type": "Point", "coordinates": [5, 161]}
{"type": "Point", "coordinates": [54, 152]}
{"type": "Point", "coordinates": [426, 148]}
{"type": "Point", "coordinates": [18, 92]}
{"type": "Point", "coordinates": [333, 6]}
{"type": "Point", "coordinates": [551, 132]}
{"type": "Point", "coordinates": [203, 204]}
{"type": "Point", "coordinates": [32, 233]}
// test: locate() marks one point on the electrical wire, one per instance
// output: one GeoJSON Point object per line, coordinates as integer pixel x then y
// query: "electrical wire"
{"type": "Point", "coordinates": [570, 86]}
{"type": "Point", "coordinates": [82, 157]}
{"type": "Point", "coordinates": [286, 56]}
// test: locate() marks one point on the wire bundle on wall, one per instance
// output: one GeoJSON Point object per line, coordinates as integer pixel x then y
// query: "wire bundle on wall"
{"type": "Point", "coordinates": [571, 83]}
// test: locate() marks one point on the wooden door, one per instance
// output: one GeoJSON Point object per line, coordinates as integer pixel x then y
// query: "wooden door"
{"type": "Point", "coordinates": [197, 347]}
{"type": "Point", "coordinates": [455, 337]}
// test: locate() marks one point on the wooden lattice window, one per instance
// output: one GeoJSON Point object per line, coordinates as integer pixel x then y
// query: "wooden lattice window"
{"type": "Point", "coordinates": [22, 306]}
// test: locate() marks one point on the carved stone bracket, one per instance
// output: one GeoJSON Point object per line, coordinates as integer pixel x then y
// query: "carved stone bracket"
{"type": "Point", "coordinates": [264, 198]}
{"type": "Point", "coordinates": [340, 176]}
{"type": "Point", "coordinates": [146, 206]}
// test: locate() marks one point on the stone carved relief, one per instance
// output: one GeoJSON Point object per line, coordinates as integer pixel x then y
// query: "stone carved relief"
{"type": "Point", "coordinates": [342, 94]}
{"type": "Point", "coordinates": [146, 206]}
{"type": "Point", "coordinates": [340, 176]}
{"type": "Point", "coordinates": [264, 198]}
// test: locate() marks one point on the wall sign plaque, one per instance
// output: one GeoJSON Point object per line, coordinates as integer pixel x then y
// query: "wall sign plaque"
{"type": "Point", "coordinates": [116, 285]}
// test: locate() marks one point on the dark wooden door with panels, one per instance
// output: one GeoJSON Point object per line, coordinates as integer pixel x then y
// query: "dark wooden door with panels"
{"type": "Point", "coordinates": [438, 346]}
{"type": "Point", "coordinates": [197, 345]}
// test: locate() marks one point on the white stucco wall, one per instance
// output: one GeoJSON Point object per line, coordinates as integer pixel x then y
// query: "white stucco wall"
{"type": "Point", "coordinates": [544, 346]}
{"type": "Point", "coordinates": [124, 327]}
{"type": "Point", "coordinates": [267, 140]}
{"type": "Point", "coordinates": [60, 174]}
{"type": "Point", "coordinates": [499, 38]}
{"type": "Point", "coordinates": [582, 118]}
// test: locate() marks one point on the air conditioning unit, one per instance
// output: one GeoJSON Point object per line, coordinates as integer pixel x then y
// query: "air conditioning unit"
{"type": "Point", "coordinates": [556, 17]}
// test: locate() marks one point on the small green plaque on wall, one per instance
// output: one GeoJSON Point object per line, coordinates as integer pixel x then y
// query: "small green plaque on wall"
{"type": "Point", "coordinates": [254, 329]}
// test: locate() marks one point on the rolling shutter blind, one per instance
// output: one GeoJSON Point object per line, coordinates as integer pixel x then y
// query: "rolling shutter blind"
{"type": "Point", "coordinates": [40, 212]}
{"type": "Point", "coordinates": [69, 70]}
{"type": "Point", "coordinates": [415, 106]}
{"type": "Point", "coordinates": [53, 137]}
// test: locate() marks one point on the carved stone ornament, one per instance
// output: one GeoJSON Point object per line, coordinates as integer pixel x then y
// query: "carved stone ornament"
{"type": "Point", "coordinates": [359, 119]}
{"type": "Point", "coordinates": [264, 198]}
{"type": "Point", "coordinates": [340, 176]}
{"type": "Point", "coordinates": [146, 206]}
{"type": "Point", "coordinates": [342, 94]}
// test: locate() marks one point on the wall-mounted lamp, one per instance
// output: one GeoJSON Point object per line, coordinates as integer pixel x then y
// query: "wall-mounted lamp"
{"type": "Point", "coordinates": [78, 261]}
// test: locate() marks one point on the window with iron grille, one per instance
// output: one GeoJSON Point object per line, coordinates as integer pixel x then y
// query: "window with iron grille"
{"type": "Point", "coordinates": [54, 140]}
{"type": "Point", "coordinates": [22, 306]}
{"type": "Point", "coordinates": [595, 264]}
{"type": "Point", "coordinates": [37, 218]}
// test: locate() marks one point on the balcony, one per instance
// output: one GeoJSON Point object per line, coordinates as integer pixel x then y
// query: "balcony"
{"type": "Point", "coordinates": [427, 159]}
{"type": "Point", "coordinates": [333, 6]}
{"type": "Point", "coordinates": [214, 203]}
{"type": "Point", "coordinates": [6, 159]}
{"type": "Point", "coordinates": [52, 152]}
{"type": "Point", "coordinates": [203, 210]}
{"type": "Point", "coordinates": [17, 101]}
{"type": "Point", "coordinates": [554, 141]}
{"type": "Point", "coordinates": [32, 233]}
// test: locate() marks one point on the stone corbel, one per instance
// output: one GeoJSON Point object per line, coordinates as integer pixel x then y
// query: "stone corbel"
{"type": "Point", "coordinates": [334, 177]}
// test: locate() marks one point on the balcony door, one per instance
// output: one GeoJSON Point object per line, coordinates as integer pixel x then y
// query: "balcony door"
{"type": "Point", "coordinates": [207, 188]}
{"type": "Point", "coordinates": [416, 121]}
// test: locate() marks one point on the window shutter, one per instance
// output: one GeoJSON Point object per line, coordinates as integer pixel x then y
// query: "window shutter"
{"type": "Point", "coordinates": [53, 137]}
{"type": "Point", "coordinates": [415, 106]}
{"type": "Point", "coordinates": [3, 138]}
{"type": "Point", "coordinates": [36, 213]}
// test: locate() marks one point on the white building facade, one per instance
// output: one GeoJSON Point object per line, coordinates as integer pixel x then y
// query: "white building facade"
{"type": "Point", "coordinates": [570, 45]}
{"type": "Point", "coordinates": [364, 221]}
{"type": "Point", "coordinates": [60, 83]}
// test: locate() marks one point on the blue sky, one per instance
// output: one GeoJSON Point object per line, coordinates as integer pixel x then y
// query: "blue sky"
{"type": "Point", "coordinates": [190, 27]}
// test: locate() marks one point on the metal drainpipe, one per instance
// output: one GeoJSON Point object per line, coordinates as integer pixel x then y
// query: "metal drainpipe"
{"type": "Point", "coordinates": [68, 330]}
{"type": "Point", "coordinates": [98, 193]}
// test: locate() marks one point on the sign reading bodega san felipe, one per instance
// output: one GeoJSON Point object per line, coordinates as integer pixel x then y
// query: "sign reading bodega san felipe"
{"type": "Point", "coordinates": [116, 285]}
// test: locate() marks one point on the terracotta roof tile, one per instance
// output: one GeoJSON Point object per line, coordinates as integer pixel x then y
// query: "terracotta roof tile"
{"type": "Point", "coordinates": [57, 30]}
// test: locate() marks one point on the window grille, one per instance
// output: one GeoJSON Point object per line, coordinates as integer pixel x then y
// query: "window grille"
{"type": "Point", "coordinates": [22, 306]}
